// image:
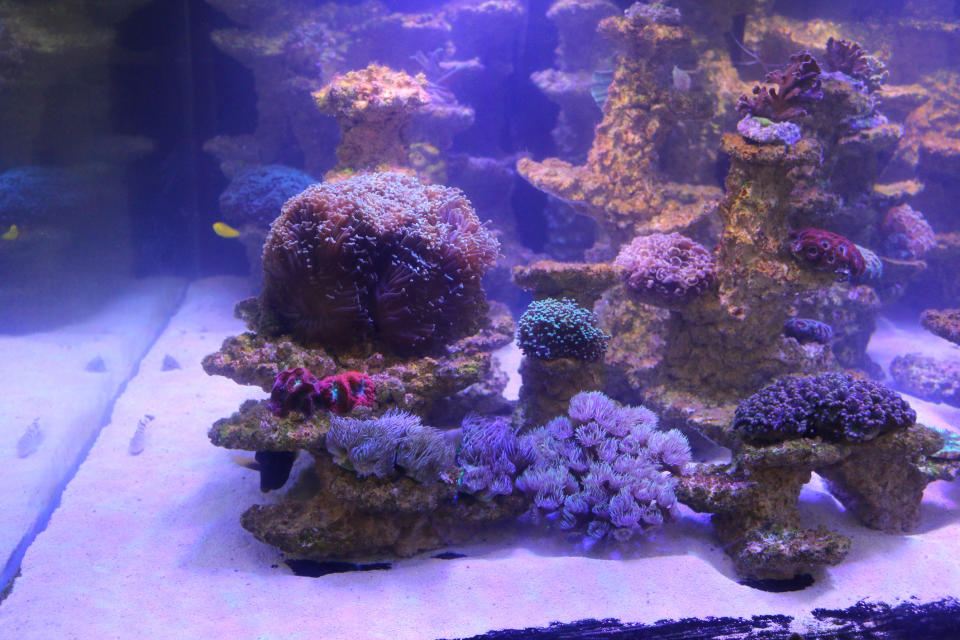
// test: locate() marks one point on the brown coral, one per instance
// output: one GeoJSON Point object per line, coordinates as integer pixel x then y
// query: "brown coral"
{"type": "Point", "coordinates": [377, 256]}
{"type": "Point", "coordinates": [373, 107]}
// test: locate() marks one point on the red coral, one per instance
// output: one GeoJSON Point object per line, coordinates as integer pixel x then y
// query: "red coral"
{"type": "Point", "coordinates": [826, 250]}
{"type": "Point", "coordinates": [294, 390]}
{"type": "Point", "coordinates": [299, 390]}
{"type": "Point", "coordinates": [342, 392]}
{"type": "Point", "coordinates": [797, 84]}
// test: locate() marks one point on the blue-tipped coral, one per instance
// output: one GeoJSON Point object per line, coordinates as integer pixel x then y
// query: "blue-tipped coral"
{"type": "Point", "coordinates": [490, 456]}
{"type": "Point", "coordinates": [395, 439]}
{"type": "Point", "coordinates": [39, 195]}
{"type": "Point", "coordinates": [550, 329]}
{"type": "Point", "coordinates": [604, 469]}
{"type": "Point", "coordinates": [834, 406]}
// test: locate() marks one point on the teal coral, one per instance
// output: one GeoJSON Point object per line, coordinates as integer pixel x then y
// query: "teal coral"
{"type": "Point", "coordinates": [550, 329]}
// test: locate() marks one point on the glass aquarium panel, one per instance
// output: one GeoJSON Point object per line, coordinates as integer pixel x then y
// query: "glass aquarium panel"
{"type": "Point", "coordinates": [479, 319]}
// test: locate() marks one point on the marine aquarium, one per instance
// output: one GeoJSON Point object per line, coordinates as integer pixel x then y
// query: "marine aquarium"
{"type": "Point", "coordinates": [507, 319]}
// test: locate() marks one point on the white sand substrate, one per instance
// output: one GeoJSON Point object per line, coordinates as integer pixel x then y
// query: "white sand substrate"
{"type": "Point", "coordinates": [46, 383]}
{"type": "Point", "coordinates": [150, 546]}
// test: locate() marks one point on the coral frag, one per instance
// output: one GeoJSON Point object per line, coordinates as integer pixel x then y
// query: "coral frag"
{"type": "Point", "coordinates": [378, 256]}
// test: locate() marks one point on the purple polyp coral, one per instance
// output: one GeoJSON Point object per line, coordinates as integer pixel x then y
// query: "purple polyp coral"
{"type": "Point", "coordinates": [603, 469]}
{"type": "Point", "coordinates": [833, 406]}
{"type": "Point", "coordinates": [805, 330]}
{"type": "Point", "coordinates": [490, 456]}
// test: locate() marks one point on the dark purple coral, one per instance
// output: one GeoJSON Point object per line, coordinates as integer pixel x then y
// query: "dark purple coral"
{"type": "Point", "coordinates": [833, 406]}
{"type": "Point", "coordinates": [797, 85]}
{"type": "Point", "coordinates": [666, 268]}
{"type": "Point", "coordinates": [846, 57]}
{"type": "Point", "coordinates": [828, 251]}
{"type": "Point", "coordinates": [851, 59]}
{"type": "Point", "coordinates": [378, 256]}
{"type": "Point", "coordinates": [299, 390]}
{"type": "Point", "coordinates": [805, 330]}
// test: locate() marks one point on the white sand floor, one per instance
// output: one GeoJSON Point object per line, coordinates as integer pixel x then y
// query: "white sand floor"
{"type": "Point", "coordinates": [46, 382]}
{"type": "Point", "coordinates": [150, 546]}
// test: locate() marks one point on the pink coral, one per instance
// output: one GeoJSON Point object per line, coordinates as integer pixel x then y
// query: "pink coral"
{"type": "Point", "coordinates": [666, 269]}
{"type": "Point", "coordinates": [828, 251]}
{"type": "Point", "coordinates": [906, 234]}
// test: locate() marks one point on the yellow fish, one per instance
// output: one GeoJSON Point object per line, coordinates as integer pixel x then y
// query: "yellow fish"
{"type": "Point", "coordinates": [12, 233]}
{"type": "Point", "coordinates": [246, 462]}
{"type": "Point", "coordinates": [224, 230]}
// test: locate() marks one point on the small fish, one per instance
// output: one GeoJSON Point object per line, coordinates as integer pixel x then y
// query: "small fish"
{"type": "Point", "coordinates": [600, 86]}
{"type": "Point", "coordinates": [681, 79]}
{"type": "Point", "coordinates": [139, 440]}
{"type": "Point", "coordinates": [12, 233]}
{"type": "Point", "coordinates": [224, 230]}
{"type": "Point", "coordinates": [30, 441]}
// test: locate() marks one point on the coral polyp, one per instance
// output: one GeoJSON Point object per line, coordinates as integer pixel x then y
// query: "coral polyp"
{"type": "Point", "coordinates": [379, 256]}
{"type": "Point", "coordinates": [833, 406]}
{"type": "Point", "coordinates": [805, 330]}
